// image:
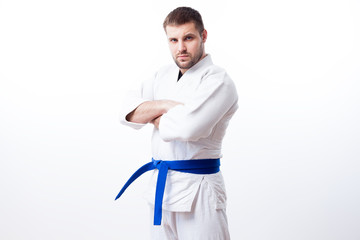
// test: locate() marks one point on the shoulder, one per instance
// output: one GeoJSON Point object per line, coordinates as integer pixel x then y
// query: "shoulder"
{"type": "Point", "coordinates": [216, 77]}
{"type": "Point", "coordinates": [217, 74]}
{"type": "Point", "coordinates": [167, 69]}
{"type": "Point", "coordinates": [165, 72]}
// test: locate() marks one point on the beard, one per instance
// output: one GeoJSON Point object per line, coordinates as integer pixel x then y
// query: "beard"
{"type": "Point", "coordinates": [192, 59]}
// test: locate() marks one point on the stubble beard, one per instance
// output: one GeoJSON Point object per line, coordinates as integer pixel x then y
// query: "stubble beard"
{"type": "Point", "coordinates": [193, 60]}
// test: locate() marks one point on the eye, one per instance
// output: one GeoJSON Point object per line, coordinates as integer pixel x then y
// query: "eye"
{"type": "Point", "coordinates": [173, 40]}
{"type": "Point", "coordinates": [188, 38]}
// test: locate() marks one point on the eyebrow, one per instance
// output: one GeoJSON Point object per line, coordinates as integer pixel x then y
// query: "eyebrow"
{"type": "Point", "coordinates": [186, 35]}
{"type": "Point", "coordinates": [190, 34]}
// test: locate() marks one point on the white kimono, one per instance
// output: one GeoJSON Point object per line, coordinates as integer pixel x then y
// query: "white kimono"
{"type": "Point", "coordinates": [194, 130]}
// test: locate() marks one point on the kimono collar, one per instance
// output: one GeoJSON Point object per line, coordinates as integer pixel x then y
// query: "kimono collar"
{"type": "Point", "coordinates": [203, 63]}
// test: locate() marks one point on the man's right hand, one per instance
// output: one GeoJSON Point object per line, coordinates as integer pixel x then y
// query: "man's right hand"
{"type": "Point", "coordinates": [151, 110]}
{"type": "Point", "coordinates": [168, 104]}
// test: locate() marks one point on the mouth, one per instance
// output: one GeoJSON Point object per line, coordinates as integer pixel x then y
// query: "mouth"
{"type": "Point", "coordinates": [182, 56]}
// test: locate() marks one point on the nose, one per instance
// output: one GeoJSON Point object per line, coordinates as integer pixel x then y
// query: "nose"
{"type": "Point", "coordinates": [181, 47]}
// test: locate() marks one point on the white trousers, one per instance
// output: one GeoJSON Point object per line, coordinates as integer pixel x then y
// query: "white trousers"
{"type": "Point", "coordinates": [204, 222]}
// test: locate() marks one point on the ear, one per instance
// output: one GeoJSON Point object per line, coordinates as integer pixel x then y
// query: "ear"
{"type": "Point", "coordinates": [204, 36]}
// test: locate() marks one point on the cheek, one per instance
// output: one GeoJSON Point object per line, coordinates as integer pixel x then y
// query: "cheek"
{"type": "Point", "coordinates": [172, 48]}
{"type": "Point", "coordinates": [194, 47]}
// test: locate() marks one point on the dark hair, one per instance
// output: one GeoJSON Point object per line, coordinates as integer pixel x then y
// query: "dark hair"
{"type": "Point", "coordinates": [182, 15]}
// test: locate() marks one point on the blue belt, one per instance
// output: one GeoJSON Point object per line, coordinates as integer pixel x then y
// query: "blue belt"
{"type": "Point", "coordinates": [198, 166]}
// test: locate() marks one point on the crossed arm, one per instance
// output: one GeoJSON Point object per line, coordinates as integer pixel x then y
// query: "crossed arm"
{"type": "Point", "coordinates": [151, 111]}
{"type": "Point", "coordinates": [196, 118]}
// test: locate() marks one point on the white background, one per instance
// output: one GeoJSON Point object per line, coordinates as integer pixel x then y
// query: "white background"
{"type": "Point", "coordinates": [291, 154]}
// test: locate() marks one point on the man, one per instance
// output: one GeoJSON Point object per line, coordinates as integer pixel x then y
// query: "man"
{"type": "Point", "coordinates": [190, 105]}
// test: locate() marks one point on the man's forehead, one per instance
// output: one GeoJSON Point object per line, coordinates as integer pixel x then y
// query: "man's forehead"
{"type": "Point", "coordinates": [183, 29]}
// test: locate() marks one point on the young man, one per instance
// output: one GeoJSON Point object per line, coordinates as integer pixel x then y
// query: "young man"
{"type": "Point", "coordinates": [190, 105]}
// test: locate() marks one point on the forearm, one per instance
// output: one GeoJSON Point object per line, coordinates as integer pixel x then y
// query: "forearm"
{"type": "Point", "coordinates": [202, 112]}
{"type": "Point", "coordinates": [148, 111]}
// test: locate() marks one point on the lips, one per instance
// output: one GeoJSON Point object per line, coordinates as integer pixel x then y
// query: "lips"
{"type": "Point", "coordinates": [183, 56]}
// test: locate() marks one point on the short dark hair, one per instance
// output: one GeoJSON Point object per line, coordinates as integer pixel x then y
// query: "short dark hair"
{"type": "Point", "coordinates": [182, 15]}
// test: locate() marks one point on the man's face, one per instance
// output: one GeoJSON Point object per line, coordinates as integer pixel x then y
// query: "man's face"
{"type": "Point", "coordinates": [186, 45]}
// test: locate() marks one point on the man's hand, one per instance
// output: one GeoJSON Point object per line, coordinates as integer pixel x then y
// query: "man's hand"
{"type": "Point", "coordinates": [167, 105]}
{"type": "Point", "coordinates": [156, 122]}
{"type": "Point", "coordinates": [150, 110]}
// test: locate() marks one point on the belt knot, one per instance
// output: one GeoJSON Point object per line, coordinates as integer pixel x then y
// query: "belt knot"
{"type": "Point", "coordinates": [157, 163]}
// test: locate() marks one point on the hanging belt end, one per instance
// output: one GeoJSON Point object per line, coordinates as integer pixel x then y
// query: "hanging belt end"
{"type": "Point", "coordinates": [157, 222]}
{"type": "Point", "coordinates": [117, 197]}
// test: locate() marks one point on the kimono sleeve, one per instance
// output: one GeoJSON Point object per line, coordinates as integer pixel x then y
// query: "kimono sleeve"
{"type": "Point", "coordinates": [133, 99]}
{"type": "Point", "coordinates": [196, 119]}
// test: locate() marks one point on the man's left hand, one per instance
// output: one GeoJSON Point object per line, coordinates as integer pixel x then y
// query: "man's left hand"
{"type": "Point", "coordinates": [156, 122]}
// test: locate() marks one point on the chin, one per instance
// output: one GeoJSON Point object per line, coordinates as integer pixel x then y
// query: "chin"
{"type": "Point", "coordinates": [183, 65]}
